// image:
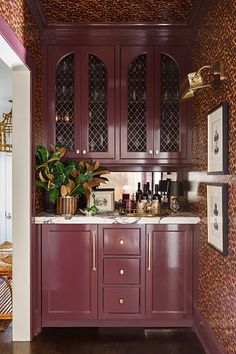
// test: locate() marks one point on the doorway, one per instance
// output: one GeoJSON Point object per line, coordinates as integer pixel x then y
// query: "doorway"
{"type": "Point", "coordinates": [21, 189]}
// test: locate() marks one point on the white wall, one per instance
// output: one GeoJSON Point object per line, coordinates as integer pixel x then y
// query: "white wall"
{"type": "Point", "coordinates": [5, 88]}
{"type": "Point", "coordinates": [21, 189]}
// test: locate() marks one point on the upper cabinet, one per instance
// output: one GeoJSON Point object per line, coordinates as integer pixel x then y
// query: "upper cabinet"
{"type": "Point", "coordinates": [152, 119]}
{"type": "Point", "coordinates": [120, 104]}
{"type": "Point", "coordinates": [81, 100]}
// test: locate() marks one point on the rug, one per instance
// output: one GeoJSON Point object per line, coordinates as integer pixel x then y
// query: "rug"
{"type": "Point", "coordinates": [4, 324]}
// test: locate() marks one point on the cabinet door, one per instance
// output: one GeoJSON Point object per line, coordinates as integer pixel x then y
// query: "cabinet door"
{"type": "Point", "coordinates": [98, 123]}
{"type": "Point", "coordinates": [64, 98]}
{"type": "Point", "coordinates": [171, 124]}
{"type": "Point", "coordinates": [136, 102]}
{"type": "Point", "coordinates": [69, 277]}
{"type": "Point", "coordinates": [169, 271]}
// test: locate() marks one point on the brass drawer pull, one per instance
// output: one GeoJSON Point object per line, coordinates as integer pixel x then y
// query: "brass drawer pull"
{"type": "Point", "coordinates": [121, 301]}
{"type": "Point", "coordinates": [122, 272]}
{"type": "Point", "coordinates": [121, 242]}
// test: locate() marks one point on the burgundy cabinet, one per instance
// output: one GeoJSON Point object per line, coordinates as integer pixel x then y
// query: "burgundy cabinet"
{"type": "Point", "coordinates": [81, 100]}
{"type": "Point", "coordinates": [169, 271]}
{"type": "Point", "coordinates": [154, 123]}
{"type": "Point", "coordinates": [69, 273]}
{"type": "Point", "coordinates": [121, 272]}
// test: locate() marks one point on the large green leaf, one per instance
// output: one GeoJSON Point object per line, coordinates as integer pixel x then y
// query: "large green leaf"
{"type": "Point", "coordinates": [42, 153]}
{"type": "Point", "coordinates": [54, 194]}
{"type": "Point", "coordinates": [41, 184]}
{"type": "Point", "coordinates": [78, 190]}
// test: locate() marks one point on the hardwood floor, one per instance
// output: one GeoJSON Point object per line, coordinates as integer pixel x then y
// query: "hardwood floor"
{"type": "Point", "coordinates": [105, 341]}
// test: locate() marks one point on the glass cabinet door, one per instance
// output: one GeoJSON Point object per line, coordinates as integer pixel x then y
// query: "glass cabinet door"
{"type": "Point", "coordinates": [170, 115]}
{"type": "Point", "coordinates": [136, 102]}
{"type": "Point", "coordinates": [98, 140]}
{"type": "Point", "coordinates": [64, 102]}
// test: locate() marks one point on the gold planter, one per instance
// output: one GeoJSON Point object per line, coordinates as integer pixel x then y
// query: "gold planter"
{"type": "Point", "coordinates": [66, 205]}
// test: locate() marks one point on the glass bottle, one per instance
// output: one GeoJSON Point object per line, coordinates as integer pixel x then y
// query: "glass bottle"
{"type": "Point", "coordinates": [149, 192]}
{"type": "Point", "coordinates": [139, 193]}
{"type": "Point", "coordinates": [156, 195]}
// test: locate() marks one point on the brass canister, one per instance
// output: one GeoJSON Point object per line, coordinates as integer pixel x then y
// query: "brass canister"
{"type": "Point", "coordinates": [66, 205]}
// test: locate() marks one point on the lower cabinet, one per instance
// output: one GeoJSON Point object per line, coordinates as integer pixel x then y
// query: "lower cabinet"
{"type": "Point", "coordinates": [169, 275]}
{"type": "Point", "coordinates": [105, 274]}
{"type": "Point", "coordinates": [69, 273]}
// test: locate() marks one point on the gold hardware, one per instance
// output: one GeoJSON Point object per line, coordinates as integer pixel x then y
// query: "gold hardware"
{"type": "Point", "coordinates": [77, 151]}
{"type": "Point", "coordinates": [150, 152]}
{"type": "Point", "coordinates": [121, 272]}
{"type": "Point", "coordinates": [94, 250]}
{"type": "Point", "coordinates": [157, 152]}
{"type": "Point", "coordinates": [149, 250]}
{"type": "Point", "coordinates": [194, 81]}
{"type": "Point", "coordinates": [121, 301]}
{"type": "Point", "coordinates": [84, 152]}
{"type": "Point", "coordinates": [121, 242]}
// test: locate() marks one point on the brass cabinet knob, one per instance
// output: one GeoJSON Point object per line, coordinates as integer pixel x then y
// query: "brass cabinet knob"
{"type": "Point", "coordinates": [157, 152]}
{"type": "Point", "coordinates": [150, 151]}
{"type": "Point", "coordinates": [121, 301]}
{"type": "Point", "coordinates": [121, 242]}
{"type": "Point", "coordinates": [122, 272]}
{"type": "Point", "coordinates": [77, 151]}
{"type": "Point", "coordinates": [84, 152]}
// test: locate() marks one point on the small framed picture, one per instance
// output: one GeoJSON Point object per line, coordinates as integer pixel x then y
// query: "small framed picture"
{"type": "Point", "coordinates": [217, 220]}
{"type": "Point", "coordinates": [217, 120]}
{"type": "Point", "coordinates": [103, 199]}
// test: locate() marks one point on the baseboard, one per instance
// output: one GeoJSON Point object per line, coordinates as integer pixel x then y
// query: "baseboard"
{"type": "Point", "coordinates": [206, 336]}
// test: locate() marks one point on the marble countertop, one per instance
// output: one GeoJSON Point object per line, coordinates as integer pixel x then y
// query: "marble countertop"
{"type": "Point", "coordinates": [180, 218]}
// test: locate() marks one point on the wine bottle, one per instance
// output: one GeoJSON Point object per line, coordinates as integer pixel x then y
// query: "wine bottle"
{"type": "Point", "coordinates": [138, 193]}
{"type": "Point", "coordinates": [156, 195]}
{"type": "Point", "coordinates": [149, 192]}
{"type": "Point", "coordinates": [144, 194]}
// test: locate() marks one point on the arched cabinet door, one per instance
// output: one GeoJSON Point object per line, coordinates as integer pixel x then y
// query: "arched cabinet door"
{"type": "Point", "coordinates": [98, 122]}
{"type": "Point", "coordinates": [170, 114]}
{"type": "Point", "coordinates": [81, 101]}
{"type": "Point", "coordinates": [62, 125]}
{"type": "Point", "coordinates": [136, 139]}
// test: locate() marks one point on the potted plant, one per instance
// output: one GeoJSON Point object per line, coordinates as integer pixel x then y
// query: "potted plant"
{"type": "Point", "coordinates": [66, 180]}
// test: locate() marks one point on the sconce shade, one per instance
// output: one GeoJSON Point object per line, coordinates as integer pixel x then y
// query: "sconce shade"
{"type": "Point", "coordinates": [175, 189]}
{"type": "Point", "coordinates": [191, 84]}
{"type": "Point", "coordinates": [194, 81]}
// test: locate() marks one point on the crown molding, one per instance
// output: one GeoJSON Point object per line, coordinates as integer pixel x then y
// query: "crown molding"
{"type": "Point", "coordinates": [38, 13]}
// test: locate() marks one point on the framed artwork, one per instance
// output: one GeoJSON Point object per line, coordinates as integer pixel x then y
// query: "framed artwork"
{"type": "Point", "coordinates": [103, 199]}
{"type": "Point", "coordinates": [217, 218]}
{"type": "Point", "coordinates": [217, 122]}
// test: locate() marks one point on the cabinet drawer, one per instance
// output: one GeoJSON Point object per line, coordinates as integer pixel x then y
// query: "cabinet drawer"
{"type": "Point", "coordinates": [121, 300]}
{"type": "Point", "coordinates": [121, 271]}
{"type": "Point", "coordinates": [121, 241]}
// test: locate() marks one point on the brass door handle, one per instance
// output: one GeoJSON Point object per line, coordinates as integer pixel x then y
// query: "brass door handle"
{"type": "Point", "coordinates": [149, 249]}
{"type": "Point", "coordinates": [94, 250]}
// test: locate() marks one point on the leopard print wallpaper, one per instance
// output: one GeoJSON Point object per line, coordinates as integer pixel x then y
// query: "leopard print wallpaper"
{"type": "Point", "coordinates": [107, 11]}
{"type": "Point", "coordinates": [216, 39]}
{"type": "Point", "coordinates": [19, 18]}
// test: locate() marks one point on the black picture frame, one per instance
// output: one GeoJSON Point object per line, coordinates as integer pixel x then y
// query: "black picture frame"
{"type": "Point", "coordinates": [217, 139]}
{"type": "Point", "coordinates": [217, 216]}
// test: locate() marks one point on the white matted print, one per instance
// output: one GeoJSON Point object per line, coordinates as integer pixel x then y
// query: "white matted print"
{"type": "Point", "coordinates": [218, 139]}
{"type": "Point", "coordinates": [103, 199]}
{"type": "Point", "coordinates": [217, 216]}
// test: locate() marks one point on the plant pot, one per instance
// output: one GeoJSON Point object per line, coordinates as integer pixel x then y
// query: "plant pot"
{"type": "Point", "coordinates": [66, 205]}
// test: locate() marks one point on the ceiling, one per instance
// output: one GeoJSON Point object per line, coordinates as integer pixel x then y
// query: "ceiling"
{"type": "Point", "coordinates": [116, 11]}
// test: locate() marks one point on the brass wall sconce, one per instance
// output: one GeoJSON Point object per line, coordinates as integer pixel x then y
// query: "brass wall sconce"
{"type": "Point", "coordinates": [194, 81]}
